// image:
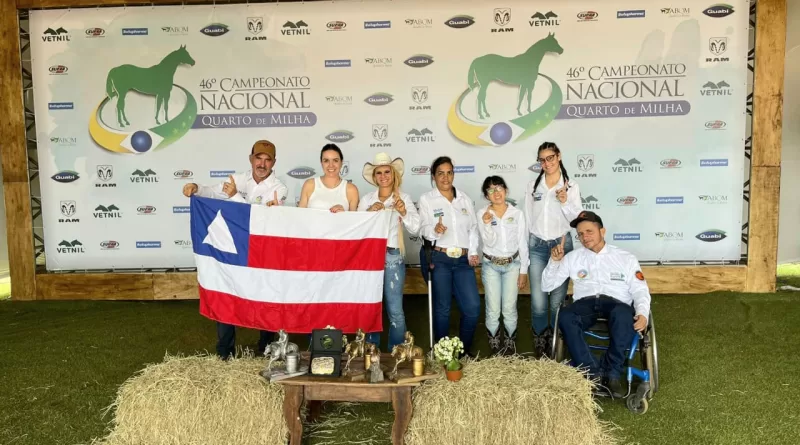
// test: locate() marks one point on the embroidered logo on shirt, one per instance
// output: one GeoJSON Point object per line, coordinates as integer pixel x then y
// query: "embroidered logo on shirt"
{"type": "Point", "coordinates": [617, 276]}
{"type": "Point", "coordinates": [639, 275]}
{"type": "Point", "coordinates": [258, 200]}
{"type": "Point", "coordinates": [494, 222]}
{"type": "Point", "coordinates": [582, 274]}
{"type": "Point", "coordinates": [537, 196]}
{"type": "Point", "coordinates": [510, 220]}
{"type": "Point", "coordinates": [464, 212]}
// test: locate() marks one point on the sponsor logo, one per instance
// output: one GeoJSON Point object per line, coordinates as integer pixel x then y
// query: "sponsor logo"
{"type": "Point", "coordinates": [70, 247]}
{"type": "Point", "coordinates": [627, 237]}
{"type": "Point", "coordinates": [547, 19]}
{"type": "Point", "coordinates": [713, 163]}
{"type": "Point", "coordinates": [460, 21]}
{"type": "Point", "coordinates": [142, 177]}
{"type": "Point", "coordinates": [105, 173]}
{"type": "Point", "coordinates": [215, 29]}
{"type": "Point", "coordinates": [380, 132]}
{"type": "Point", "coordinates": [345, 170]}
{"type": "Point", "coordinates": [298, 28]}
{"type": "Point", "coordinates": [669, 236]}
{"type": "Point", "coordinates": [55, 35]}
{"type": "Point", "coordinates": [146, 210]}
{"type": "Point", "coordinates": [63, 142]}
{"type": "Point", "coordinates": [711, 236]}
{"type": "Point", "coordinates": [717, 46]}
{"type": "Point", "coordinates": [377, 24]}
{"type": "Point", "coordinates": [254, 26]}
{"type": "Point", "coordinates": [420, 96]}
{"type": "Point", "coordinates": [630, 166]}
{"type": "Point", "coordinates": [221, 173]}
{"type": "Point", "coordinates": [536, 168]}
{"type": "Point", "coordinates": [669, 200]}
{"type": "Point", "coordinates": [301, 172]}
{"type": "Point", "coordinates": [378, 62]}
{"type": "Point", "coordinates": [420, 170]}
{"type": "Point", "coordinates": [502, 17]}
{"type": "Point", "coordinates": [339, 100]}
{"type": "Point", "coordinates": [719, 10]}
{"type": "Point", "coordinates": [720, 88]}
{"type": "Point", "coordinates": [419, 61]}
{"type": "Point", "coordinates": [341, 63]}
{"type": "Point", "coordinates": [60, 106]}
{"type": "Point", "coordinates": [134, 31]}
{"type": "Point", "coordinates": [182, 174]}
{"type": "Point", "coordinates": [68, 209]}
{"type": "Point", "coordinates": [590, 203]}
{"type": "Point", "coordinates": [109, 245]}
{"type": "Point", "coordinates": [670, 163]}
{"type": "Point", "coordinates": [66, 176]}
{"type": "Point", "coordinates": [340, 136]}
{"type": "Point", "coordinates": [336, 26]}
{"type": "Point", "coordinates": [181, 209]}
{"type": "Point", "coordinates": [715, 125]}
{"type": "Point", "coordinates": [502, 168]}
{"type": "Point", "coordinates": [416, 136]}
{"type": "Point", "coordinates": [631, 14]}
{"type": "Point", "coordinates": [676, 12]}
{"type": "Point", "coordinates": [627, 201]}
{"type": "Point", "coordinates": [95, 32]}
{"type": "Point", "coordinates": [713, 199]}
{"type": "Point", "coordinates": [583, 273]}
{"type": "Point", "coordinates": [586, 165]}
{"type": "Point", "coordinates": [464, 169]}
{"type": "Point", "coordinates": [379, 99]}
{"type": "Point", "coordinates": [587, 16]}
{"type": "Point", "coordinates": [110, 211]}
{"type": "Point", "coordinates": [419, 23]}
{"type": "Point", "coordinates": [58, 70]}
{"type": "Point", "coordinates": [175, 30]}
{"type": "Point", "coordinates": [183, 243]}
{"type": "Point", "coordinates": [148, 244]}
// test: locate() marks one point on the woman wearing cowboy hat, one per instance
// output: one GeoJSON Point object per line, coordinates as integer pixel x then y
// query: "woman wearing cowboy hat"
{"type": "Point", "coordinates": [387, 175]}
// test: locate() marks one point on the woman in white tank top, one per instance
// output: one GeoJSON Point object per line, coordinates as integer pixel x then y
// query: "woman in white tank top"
{"type": "Point", "coordinates": [330, 191]}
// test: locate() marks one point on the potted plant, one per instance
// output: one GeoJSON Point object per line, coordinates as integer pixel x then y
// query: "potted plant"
{"type": "Point", "coordinates": [446, 351]}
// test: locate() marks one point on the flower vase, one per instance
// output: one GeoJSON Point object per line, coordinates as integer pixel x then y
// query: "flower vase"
{"type": "Point", "coordinates": [454, 376]}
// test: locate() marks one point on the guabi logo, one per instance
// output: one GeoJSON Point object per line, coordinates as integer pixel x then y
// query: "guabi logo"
{"type": "Point", "coordinates": [474, 125]}
{"type": "Point", "coordinates": [587, 16]}
{"type": "Point", "coordinates": [719, 10]}
{"type": "Point", "coordinates": [110, 128]}
{"type": "Point", "coordinates": [379, 99]}
{"type": "Point", "coordinates": [65, 176]}
{"type": "Point", "coordinates": [627, 201]}
{"type": "Point", "coordinates": [460, 21]}
{"type": "Point", "coordinates": [340, 136]}
{"type": "Point", "coordinates": [57, 70]}
{"type": "Point", "coordinates": [419, 61]}
{"type": "Point", "coordinates": [420, 170]}
{"type": "Point", "coordinates": [182, 174]}
{"type": "Point", "coordinates": [715, 125]}
{"type": "Point", "coordinates": [711, 236]}
{"type": "Point", "coordinates": [336, 26]}
{"type": "Point", "coordinates": [670, 163]}
{"type": "Point", "coordinates": [110, 211]}
{"type": "Point", "coordinates": [146, 210]}
{"type": "Point", "coordinates": [109, 245]}
{"type": "Point", "coordinates": [95, 32]}
{"type": "Point", "coordinates": [301, 172]}
{"type": "Point", "coordinates": [215, 29]}
{"type": "Point", "coordinates": [536, 168]}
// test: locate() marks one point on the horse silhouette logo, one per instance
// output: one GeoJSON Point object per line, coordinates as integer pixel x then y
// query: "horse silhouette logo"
{"type": "Point", "coordinates": [521, 71]}
{"type": "Point", "coordinates": [156, 81]}
{"type": "Point", "coordinates": [628, 163]}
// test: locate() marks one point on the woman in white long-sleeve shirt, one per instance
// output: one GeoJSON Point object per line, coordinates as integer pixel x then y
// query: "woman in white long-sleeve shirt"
{"type": "Point", "coordinates": [552, 201]}
{"type": "Point", "coordinates": [505, 263]}
{"type": "Point", "coordinates": [387, 175]}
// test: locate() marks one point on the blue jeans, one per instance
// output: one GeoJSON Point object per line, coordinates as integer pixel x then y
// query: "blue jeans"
{"type": "Point", "coordinates": [394, 276]}
{"type": "Point", "coordinates": [455, 276]}
{"type": "Point", "coordinates": [582, 315]}
{"type": "Point", "coordinates": [540, 255]}
{"type": "Point", "coordinates": [226, 340]}
{"type": "Point", "coordinates": [500, 287]}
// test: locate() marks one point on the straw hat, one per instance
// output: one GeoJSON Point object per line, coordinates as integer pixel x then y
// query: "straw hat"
{"type": "Point", "coordinates": [382, 159]}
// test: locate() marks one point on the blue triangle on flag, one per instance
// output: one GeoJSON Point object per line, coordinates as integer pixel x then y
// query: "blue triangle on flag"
{"type": "Point", "coordinates": [221, 229]}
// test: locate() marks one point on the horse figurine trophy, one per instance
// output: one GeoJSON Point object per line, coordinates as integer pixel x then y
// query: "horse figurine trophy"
{"type": "Point", "coordinates": [375, 370]}
{"type": "Point", "coordinates": [277, 350]}
{"type": "Point", "coordinates": [405, 352]}
{"type": "Point", "coordinates": [354, 349]}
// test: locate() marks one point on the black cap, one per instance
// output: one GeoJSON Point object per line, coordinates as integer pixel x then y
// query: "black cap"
{"type": "Point", "coordinates": [586, 216]}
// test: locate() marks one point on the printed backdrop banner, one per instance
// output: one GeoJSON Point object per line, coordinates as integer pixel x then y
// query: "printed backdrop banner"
{"type": "Point", "coordinates": [646, 103]}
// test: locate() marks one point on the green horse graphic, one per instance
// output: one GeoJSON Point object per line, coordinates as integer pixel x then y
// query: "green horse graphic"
{"type": "Point", "coordinates": [154, 81]}
{"type": "Point", "coordinates": [521, 70]}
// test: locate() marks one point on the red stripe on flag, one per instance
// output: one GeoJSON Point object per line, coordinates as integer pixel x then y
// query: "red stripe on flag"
{"type": "Point", "coordinates": [293, 318]}
{"type": "Point", "coordinates": [316, 255]}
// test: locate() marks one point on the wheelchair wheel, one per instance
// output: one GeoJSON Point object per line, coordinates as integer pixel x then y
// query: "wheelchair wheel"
{"type": "Point", "coordinates": [636, 405]}
{"type": "Point", "coordinates": [651, 358]}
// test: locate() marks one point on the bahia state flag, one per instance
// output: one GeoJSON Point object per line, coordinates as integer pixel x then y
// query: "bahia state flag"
{"type": "Point", "coordinates": [288, 268]}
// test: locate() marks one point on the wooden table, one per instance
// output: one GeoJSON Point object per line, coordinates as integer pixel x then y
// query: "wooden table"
{"type": "Point", "coordinates": [315, 389]}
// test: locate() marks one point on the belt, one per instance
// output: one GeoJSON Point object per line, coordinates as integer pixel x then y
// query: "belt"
{"type": "Point", "coordinates": [453, 251]}
{"type": "Point", "coordinates": [392, 250]}
{"type": "Point", "coordinates": [501, 261]}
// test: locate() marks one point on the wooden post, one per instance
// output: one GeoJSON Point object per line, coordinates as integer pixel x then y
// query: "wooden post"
{"type": "Point", "coordinates": [765, 174]}
{"type": "Point", "coordinates": [14, 157]}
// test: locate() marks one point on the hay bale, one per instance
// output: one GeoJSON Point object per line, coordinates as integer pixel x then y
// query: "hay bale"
{"type": "Point", "coordinates": [198, 400]}
{"type": "Point", "coordinates": [508, 400]}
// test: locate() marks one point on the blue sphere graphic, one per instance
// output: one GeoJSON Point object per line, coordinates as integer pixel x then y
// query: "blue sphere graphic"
{"type": "Point", "coordinates": [141, 141]}
{"type": "Point", "coordinates": [500, 133]}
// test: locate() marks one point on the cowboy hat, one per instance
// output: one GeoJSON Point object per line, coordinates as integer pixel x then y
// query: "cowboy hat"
{"type": "Point", "coordinates": [382, 159]}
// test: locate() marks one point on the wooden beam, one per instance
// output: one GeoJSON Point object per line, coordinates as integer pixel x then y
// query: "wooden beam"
{"type": "Point", "coordinates": [38, 4]}
{"type": "Point", "coordinates": [14, 159]}
{"type": "Point", "coordinates": [95, 286]}
{"type": "Point", "coordinates": [765, 175]}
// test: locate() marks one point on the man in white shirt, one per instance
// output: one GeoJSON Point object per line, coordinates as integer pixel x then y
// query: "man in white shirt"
{"type": "Point", "coordinates": [608, 283]}
{"type": "Point", "coordinates": [259, 185]}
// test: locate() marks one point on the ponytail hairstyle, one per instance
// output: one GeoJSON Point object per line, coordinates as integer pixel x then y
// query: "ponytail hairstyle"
{"type": "Point", "coordinates": [550, 146]}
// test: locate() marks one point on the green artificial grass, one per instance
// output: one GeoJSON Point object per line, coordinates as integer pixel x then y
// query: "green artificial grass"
{"type": "Point", "coordinates": [728, 362]}
{"type": "Point", "coordinates": [789, 275]}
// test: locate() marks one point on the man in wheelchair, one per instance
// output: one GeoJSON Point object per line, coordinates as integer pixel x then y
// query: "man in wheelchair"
{"type": "Point", "coordinates": [607, 283]}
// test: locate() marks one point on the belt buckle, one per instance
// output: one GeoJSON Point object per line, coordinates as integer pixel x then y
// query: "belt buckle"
{"type": "Point", "coordinates": [454, 252]}
{"type": "Point", "coordinates": [500, 261]}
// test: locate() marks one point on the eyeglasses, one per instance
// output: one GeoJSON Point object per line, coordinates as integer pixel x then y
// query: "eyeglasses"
{"type": "Point", "coordinates": [494, 190]}
{"type": "Point", "coordinates": [547, 159]}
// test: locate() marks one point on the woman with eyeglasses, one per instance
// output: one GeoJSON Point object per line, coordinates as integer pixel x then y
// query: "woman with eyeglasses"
{"type": "Point", "coordinates": [448, 221]}
{"type": "Point", "coordinates": [552, 201]}
{"type": "Point", "coordinates": [504, 268]}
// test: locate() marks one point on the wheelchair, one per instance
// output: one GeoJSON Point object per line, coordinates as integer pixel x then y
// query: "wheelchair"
{"type": "Point", "coordinates": [643, 343]}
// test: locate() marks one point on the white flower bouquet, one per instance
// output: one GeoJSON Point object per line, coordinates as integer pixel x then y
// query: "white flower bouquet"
{"type": "Point", "coordinates": [447, 350]}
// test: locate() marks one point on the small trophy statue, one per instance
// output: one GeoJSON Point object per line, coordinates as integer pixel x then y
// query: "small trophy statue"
{"type": "Point", "coordinates": [375, 370]}
{"type": "Point", "coordinates": [354, 349]}
{"type": "Point", "coordinates": [405, 351]}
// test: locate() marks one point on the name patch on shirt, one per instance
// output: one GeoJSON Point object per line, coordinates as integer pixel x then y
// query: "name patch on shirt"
{"type": "Point", "coordinates": [438, 212]}
{"type": "Point", "coordinates": [464, 212]}
{"type": "Point", "coordinates": [617, 276]}
{"type": "Point", "coordinates": [510, 220]}
{"type": "Point", "coordinates": [258, 199]}
{"type": "Point", "coordinates": [582, 274]}
{"type": "Point", "coordinates": [537, 196]}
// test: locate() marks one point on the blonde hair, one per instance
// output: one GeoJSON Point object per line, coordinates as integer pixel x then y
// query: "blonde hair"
{"type": "Point", "coordinates": [397, 181]}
